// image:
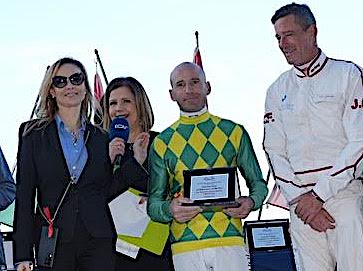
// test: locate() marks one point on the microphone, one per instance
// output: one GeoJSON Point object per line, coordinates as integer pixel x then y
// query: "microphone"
{"type": "Point", "coordinates": [119, 128]}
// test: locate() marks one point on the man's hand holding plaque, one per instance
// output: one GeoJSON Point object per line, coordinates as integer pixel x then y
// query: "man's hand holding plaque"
{"type": "Point", "coordinates": [243, 210]}
{"type": "Point", "coordinates": [183, 213]}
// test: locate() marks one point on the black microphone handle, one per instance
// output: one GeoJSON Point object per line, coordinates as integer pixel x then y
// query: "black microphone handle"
{"type": "Point", "coordinates": [118, 159]}
{"type": "Point", "coordinates": [121, 158]}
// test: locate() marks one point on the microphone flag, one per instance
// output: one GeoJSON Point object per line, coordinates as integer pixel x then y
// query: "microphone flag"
{"type": "Point", "coordinates": [119, 128]}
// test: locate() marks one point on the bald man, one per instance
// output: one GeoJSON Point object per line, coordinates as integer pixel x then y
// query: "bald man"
{"type": "Point", "coordinates": [201, 240]}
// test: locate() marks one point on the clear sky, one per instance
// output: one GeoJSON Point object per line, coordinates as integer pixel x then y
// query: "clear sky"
{"type": "Point", "coordinates": [146, 39]}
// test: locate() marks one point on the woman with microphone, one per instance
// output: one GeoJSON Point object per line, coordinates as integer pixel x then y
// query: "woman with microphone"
{"type": "Point", "coordinates": [125, 97]}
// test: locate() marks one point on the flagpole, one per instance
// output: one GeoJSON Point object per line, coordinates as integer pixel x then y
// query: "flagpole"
{"type": "Point", "coordinates": [196, 37]}
{"type": "Point", "coordinates": [35, 106]}
{"type": "Point", "coordinates": [260, 211]}
{"type": "Point", "coordinates": [31, 117]}
{"type": "Point", "coordinates": [36, 101]}
{"type": "Point", "coordinates": [102, 69]}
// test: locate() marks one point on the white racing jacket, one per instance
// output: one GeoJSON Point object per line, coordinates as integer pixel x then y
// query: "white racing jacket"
{"type": "Point", "coordinates": [314, 128]}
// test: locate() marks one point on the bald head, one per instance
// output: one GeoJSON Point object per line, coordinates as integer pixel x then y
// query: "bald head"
{"type": "Point", "coordinates": [187, 65]}
{"type": "Point", "coordinates": [189, 87]}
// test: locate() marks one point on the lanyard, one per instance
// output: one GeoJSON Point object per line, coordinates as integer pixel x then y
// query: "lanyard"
{"type": "Point", "coordinates": [45, 212]}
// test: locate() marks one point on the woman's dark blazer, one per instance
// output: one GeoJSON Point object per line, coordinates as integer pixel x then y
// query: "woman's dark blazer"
{"type": "Point", "coordinates": [137, 183]}
{"type": "Point", "coordinates": [42, 170]}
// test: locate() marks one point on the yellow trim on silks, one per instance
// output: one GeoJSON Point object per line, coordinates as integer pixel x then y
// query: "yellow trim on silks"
{"type": "Point", "coordinates": [134, 191]}
{"type": "Point", "coordinates": [187, 246]}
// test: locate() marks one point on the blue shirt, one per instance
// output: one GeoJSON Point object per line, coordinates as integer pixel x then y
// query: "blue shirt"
{"type": "Point", "coordinates": [74, 149]}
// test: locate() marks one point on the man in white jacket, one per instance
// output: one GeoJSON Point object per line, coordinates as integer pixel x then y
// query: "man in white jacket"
{"type": "Point", "coordinates": [314, 145]}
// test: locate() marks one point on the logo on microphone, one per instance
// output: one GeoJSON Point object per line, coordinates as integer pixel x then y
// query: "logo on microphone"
{"type": "Point", "coordinates": [120, 126]}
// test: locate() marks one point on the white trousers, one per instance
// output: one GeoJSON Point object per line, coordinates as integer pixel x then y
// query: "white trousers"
{"type": "Point", "coordinates": [342, 246]}
{"type": "Point", "coordinates": [231, 258]}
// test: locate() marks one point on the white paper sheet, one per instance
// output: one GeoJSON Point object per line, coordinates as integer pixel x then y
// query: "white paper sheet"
{"type": "Point", "coordinates": [126, 248]}
{"type": "Point", "coordinates": [130, 217]}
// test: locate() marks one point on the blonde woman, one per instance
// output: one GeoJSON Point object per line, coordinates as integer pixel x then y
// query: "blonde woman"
{"type": "Point", "coordinates": [64, 173]}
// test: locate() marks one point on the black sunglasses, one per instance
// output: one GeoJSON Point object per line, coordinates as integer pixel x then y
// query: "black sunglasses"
{"type": "Point", "coordinates": [61, 81]}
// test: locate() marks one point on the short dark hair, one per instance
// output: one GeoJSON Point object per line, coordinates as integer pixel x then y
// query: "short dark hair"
{"type": "Point", "coordinates": [302, 13]}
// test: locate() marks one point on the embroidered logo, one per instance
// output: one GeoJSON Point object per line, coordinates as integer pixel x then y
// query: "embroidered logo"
{"type": "Point", "coordinates": [285, 105]}
{"type": "Point", "coordinates": [268, 118]}
{"type": "Point", "coordinates": [357, 103]}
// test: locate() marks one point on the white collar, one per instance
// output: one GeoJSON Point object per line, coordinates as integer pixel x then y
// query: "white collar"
{"type": "Point", "coordinates": [313, 67]}
{"type": "Point", "coordinates": [194, 114]}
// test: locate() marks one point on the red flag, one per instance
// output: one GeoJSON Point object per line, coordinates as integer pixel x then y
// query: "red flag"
{"type": "Point", "coordinates": [277, 199]}
{"type": "Point", "coordinates": [98, 89]}
{"type": "Point", "coordinates": [197, 59]}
